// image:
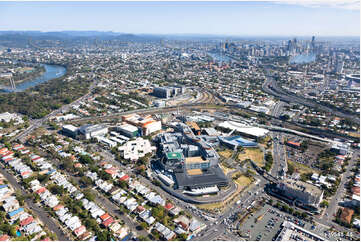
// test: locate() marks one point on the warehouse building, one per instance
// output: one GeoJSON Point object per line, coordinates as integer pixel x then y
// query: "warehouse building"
{"type": "Point", "coordinates": [70, 130]}
{"type": "Point", "coordinates": [128, 130]}
{"type": "Point", "coordinates": [293, 232]}
{"type": "Point", "coordinates": [91, 131]}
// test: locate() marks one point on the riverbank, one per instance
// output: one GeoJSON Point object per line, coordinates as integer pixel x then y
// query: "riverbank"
{"type": "Point", "coordinates": [40, 97]}
{"type": "Point", "coordinates": [30, 75]}
{"type": "Point", "coordinates": [50, 72]}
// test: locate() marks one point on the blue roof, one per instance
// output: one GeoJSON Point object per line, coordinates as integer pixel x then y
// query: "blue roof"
{"type": "Point", "coordinates": [51, 171]}
{"type": "Point", "coordinates": [3, 186]}
{"type": "Point", "coordinates": [238, 140]}
{"type": "Point", "coordinates": [13, 213]}
{"type": "Point", "coordinates": [127, 237]}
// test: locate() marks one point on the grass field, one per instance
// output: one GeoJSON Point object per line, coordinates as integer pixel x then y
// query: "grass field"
{"type": "Point", "coordinates": [226, 153]}
{"type": "Point", "coordinates": [254, 154]}
{"type": "Point", "coordinates": [242, 183]}
{"type": "Point", "coordinates": [300, 168]}
{"type": "Point", "coordinates": [225, 169]}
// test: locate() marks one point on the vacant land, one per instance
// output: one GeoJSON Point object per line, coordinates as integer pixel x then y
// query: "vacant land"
{"type": "Point", "coordinates": [254, 154]}
{"type": "Point", "coordinates": [300, 168]}
{"type": "Point", "coordinates": [225, 169]}
{"type": "Point", "coordinates": [225, 153]}
{"type": "Point", "coordinates": [243, 182]}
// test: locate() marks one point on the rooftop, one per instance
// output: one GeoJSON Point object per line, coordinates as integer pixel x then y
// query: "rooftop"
{"type": "Point", "coordinates": [306, 187]}
{"type": "Point", "coordinates": [194, 172]}
{"type": "Point", "coordinates": [196, 159]}
{"type": "Point", "coordinates": [174, 155]}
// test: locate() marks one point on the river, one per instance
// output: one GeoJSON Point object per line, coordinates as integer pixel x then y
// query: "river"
{"type": "Point", "coordinates": [51, 72]}
{"type": "Point", "coordinates": [302, 59]}
{"type": "Point", "coordinates": [217, 57]}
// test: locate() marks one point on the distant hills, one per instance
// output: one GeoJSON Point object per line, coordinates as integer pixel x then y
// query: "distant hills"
{"type": "Point", "coordinates": [43, 39]}
{"type": "Point", "coordinates": [24, 38]}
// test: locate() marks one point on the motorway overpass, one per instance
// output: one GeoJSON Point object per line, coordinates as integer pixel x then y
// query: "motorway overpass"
{"type": "Point", "coordinates": [275, 128]}
{"type": "Point", "coordinates": [270, 86]}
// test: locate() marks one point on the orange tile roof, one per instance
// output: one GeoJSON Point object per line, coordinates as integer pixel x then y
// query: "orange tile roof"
{"type": "Point", "coordinates": [346, 215]}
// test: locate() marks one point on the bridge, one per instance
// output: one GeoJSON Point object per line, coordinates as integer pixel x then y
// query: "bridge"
{"type": "Point", "coordinates": [11, 79]}
{"type": "Point", "coordinates": [296, 132]}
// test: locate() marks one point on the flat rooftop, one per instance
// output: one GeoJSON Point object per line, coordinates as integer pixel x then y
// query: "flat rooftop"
{"type": "Point", "coordinates": [292, 232]}
{"type": "Point", "coordinates": [210, 177]}
{"type": "Point", "coordinates": [196, 159]}
{"type": "Point", "coordinates": [193, 125]}
{"type": "Point", "coordinates": [174, 155]}
{"type": "Point", "coordinates": [300, 185]}
{"type": "Point", "coordinates": [194, 172]}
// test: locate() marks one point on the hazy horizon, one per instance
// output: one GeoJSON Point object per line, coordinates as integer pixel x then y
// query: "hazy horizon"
{"type": "Point", "coordinates": [236, 19]}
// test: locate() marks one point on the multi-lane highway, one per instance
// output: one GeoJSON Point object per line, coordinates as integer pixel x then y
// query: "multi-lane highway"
{"type": "Point", "coordinates": [270, 86]}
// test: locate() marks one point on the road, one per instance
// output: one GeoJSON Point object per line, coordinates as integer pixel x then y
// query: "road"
{"type": "Point", "coordinates": [279, 161]}
{"type": "Point", "coordinates": [223, 225]}
{"type": "Point", "coordinates": [194, 212]}
{"type": "Point", "coordinates": [106, 204]}
{"type": "Point", "coordinates": [39, 211]}
{"type": "Point", "coordinates": [39, 122]}
{"type": "Point", "coordinates": [113, 210]}
{"type": "Point", "coordinates": [333, 204]}
{"type": "Point", "coordinates": [270, 86]}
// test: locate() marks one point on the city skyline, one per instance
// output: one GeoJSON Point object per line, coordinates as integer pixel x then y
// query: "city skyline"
{"type": "Point", "coordinates": [275, 18]}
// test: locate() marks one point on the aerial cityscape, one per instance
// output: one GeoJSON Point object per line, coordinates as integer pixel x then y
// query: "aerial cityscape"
{"type": "Point", "coordinates": [183, 121]}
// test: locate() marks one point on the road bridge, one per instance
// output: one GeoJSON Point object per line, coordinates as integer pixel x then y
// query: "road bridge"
{"type": "Point", "coordinates": [276, 128]}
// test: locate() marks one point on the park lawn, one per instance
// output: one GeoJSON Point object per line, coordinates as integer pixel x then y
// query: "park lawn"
{"type": "Point", "coordinates": [254, 154]}
{"type": "Point", "coordinates": [243, 181]}
{"type": "Point", "coordinates": [225, 169]}
{"type": "Point", "coordinates": [226, 153]}
{"type": "Point", "coordinates": [301, 168]}
{"type": "Point", "coordinates": [210, 206]}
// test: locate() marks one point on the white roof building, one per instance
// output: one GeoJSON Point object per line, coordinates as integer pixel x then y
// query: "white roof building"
{"type": "Point", "coordinates": [248, 130]}
{"type": "Point", "coordinates": [134, 149]}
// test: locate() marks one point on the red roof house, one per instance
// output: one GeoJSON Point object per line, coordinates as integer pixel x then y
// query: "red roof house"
{"type": "Point", "coordinates": [108, 222]}
{"type": "Point", "coordinates": [4, 237]}
{"type": "Point", "coordinates": [124, 178]}
{"type": "Point", "coordinates": [169, 206]}
{"type": "Point", "coordinates": [79, 231]}
{"type": "Point", "coordinates": [58, 207]}
{"type": "Point", "coordinates": [26, 221]}
{"type": "Point", "coordinates": [41, 190]}
{"type": "Point", "coordinates": [105, 216]}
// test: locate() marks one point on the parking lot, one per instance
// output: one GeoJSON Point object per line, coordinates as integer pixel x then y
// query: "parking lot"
{"type": "Point", "coordinates": [266, 223]}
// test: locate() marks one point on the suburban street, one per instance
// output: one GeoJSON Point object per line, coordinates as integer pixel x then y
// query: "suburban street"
{"type": "Point", "coordinates": [39, 211]}
{"type": "Point", "coordinates": [327, 217]}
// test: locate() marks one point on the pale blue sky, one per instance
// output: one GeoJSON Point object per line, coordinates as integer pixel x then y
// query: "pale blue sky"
{"type": "Point", "coordinates": [230, 18]}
